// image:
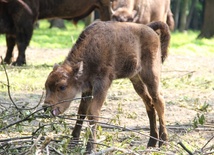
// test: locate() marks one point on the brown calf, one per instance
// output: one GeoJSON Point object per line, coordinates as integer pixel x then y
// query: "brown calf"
{"type": "Point", "coordinates": [106, 51]}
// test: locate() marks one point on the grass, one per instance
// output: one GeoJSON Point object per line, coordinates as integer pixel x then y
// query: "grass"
{"type": "Point", "coordinates": [187, 44]}
{"type": "Point", "coordinates": [43, 37]}
{"type": "Point", "coordinates": [55, 38]}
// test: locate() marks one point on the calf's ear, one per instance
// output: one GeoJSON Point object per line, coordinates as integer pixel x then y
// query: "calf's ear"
{"type": "Point", "coordinates": [55, 66]}
{"type": "Point", "coordinates": [78, 70]}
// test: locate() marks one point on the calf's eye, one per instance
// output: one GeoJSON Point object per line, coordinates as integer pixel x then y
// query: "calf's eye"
{"type": "Point", "coordinates": [61, 88]}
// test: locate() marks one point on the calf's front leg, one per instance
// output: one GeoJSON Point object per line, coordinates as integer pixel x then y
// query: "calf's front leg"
{"type": "Point", "coordinates": [99, 94]}
{"type": "Point", "coordinates": [83, 107]}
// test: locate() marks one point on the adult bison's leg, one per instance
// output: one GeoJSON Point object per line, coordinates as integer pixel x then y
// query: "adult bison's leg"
{"type": "Point", "coordinates": [83, 107]}
{"type": "Point", "coordinates": [152, 83]}
{"type": "Point", "coordinates": [11, 41]}
{"type": "Point", "coordinates": [23, 36]}
{"type": "Point", "coordinates": [142, 91]}
{"type": "Point", "coordinates": [104, 10]}
{"type": "Point", "coordinates": [21, 60]}
{"type": "Point", "coordinates": [170, 20]}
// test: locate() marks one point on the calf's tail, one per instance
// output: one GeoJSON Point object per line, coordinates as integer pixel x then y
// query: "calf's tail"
{"type": "Point", "coordinates": [164, 37]}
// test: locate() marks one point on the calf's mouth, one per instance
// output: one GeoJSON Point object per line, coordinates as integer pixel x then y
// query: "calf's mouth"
{"type": "Point", "coordinates": [55, 111]}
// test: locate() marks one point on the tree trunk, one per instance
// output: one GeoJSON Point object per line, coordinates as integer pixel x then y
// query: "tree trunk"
{"type": "Point", "coordinates": [176, 13]}
{"type": "Point", "coordinates": [190, 15]}
{"type": "Point", "coordinates": [183, 15]}
{"type": "Point", "coordinates": [207, 30]}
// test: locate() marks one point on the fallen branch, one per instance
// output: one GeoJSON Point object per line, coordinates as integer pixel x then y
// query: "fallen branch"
{"type": "Point", "coordinates": [112, 149]}
{"type": "Point", "coordinates": [184, 147]}
{"type": "Point", "coordinates": [8, 87]}
{"type": "Point", "coordinates": [207, 142]}
{"type": "Point", "coordinates": [169, 127]}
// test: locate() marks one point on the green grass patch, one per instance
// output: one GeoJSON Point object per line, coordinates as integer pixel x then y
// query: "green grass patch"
{"type": "Point", "coordinates": [28, 79]}
{"type": "Point", "coordinates": [187, 44]}
{"type": "Point", "coordinates": [44, 37]}
{"type": "Point", "coordinates": [54, 37]}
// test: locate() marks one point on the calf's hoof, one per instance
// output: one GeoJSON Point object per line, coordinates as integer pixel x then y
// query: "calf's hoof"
{"type": "Point", "coordinates": [152, 142]}
{"type": "Point", "coordinates": [164, 139]}
{"type": "Point", "coordinates": [74, 142]}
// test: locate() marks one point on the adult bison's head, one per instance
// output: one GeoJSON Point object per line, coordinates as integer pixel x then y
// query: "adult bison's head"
{"type": "Point", "coordinates": [124, 11]}
{"type": "Point", "coordinates": [61, 86]}
{"type": "Point", "coordinates": [123, 15]}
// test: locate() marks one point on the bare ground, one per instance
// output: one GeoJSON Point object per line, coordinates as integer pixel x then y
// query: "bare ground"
{"type": "Point", "coordinates": [123, 107]}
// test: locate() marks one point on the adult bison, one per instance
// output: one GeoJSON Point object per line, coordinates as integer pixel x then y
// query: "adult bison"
{"type": "Point", "coordinates": [102, 54]}
{"type": "Point", "coordinates": [142, 11]}
{"type": "Point", "coordinates": [16, 21]}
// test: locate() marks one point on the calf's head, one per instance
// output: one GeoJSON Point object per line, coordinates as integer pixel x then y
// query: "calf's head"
{"type": "Point", "coordinates": [61, 86]}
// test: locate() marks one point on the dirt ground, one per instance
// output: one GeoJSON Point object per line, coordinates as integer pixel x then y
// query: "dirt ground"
{"type": "Point", "coordinates": [125, 108]}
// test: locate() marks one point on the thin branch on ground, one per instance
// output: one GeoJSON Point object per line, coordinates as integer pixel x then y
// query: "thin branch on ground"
{"type": "Point", "coordinates": [184, 147]}
{"type": "Point", "coordinates": [207, 142]}
{"type": "Point", "coordinates": [113, 149]}
{"type": "Point", "coordinates": [8, 87]}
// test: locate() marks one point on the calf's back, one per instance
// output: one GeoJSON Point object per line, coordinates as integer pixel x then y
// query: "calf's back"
{"type": "Point", "coordinates": [119, 48]}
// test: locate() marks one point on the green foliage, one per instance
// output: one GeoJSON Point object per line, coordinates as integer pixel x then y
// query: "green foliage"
{"type": "Point", "coordinates": [199, 120]}
{"type": "Point", "coordinates": [187, 44]}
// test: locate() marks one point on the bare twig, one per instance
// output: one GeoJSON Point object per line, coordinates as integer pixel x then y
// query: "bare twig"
{"type": "Point", "coordinates": [180, 76]}
{"type": "Point", "coordinates": [59, 153]}
{"type": "Point", "coordinates": [35, 142]}
{"type": "Point", "coordinates": [8, 87]}
{"type": "Point", "coordinates": [112, 149]}
{"type": "Point", "coordinates": [207, 142]}
{"type": "Point", "coordinates": [22, 120]}
{"type": "Point", "coordinates": [37, 105]}
{"type": "Point", "coordinates": [16, 138]}
{"type": "Point", "coordinates": [28, 116]}
{"type": "Point", "coordinates": [184, 147]}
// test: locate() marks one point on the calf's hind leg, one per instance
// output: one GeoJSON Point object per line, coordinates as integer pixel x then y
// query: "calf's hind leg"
{"type": "Point", "coordinates": [152, 84]}
{"type": "Point", "coordinates": [142, 91]}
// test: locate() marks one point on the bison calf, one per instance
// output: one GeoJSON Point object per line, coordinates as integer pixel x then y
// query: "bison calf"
{"type": "Point", "coordinates": [106, 51]}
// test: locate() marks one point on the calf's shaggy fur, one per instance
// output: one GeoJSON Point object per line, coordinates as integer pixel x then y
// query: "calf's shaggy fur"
{"type": "Point", "coordinates": [106, 51]}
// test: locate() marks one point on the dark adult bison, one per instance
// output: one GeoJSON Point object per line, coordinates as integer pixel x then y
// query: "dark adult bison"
{"type": "Point", "coordinates": [142, 11]}
{"type": "Point", "coordinates": [102, 54]}
{"type": "Point", "coordinates": [16, 21]}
